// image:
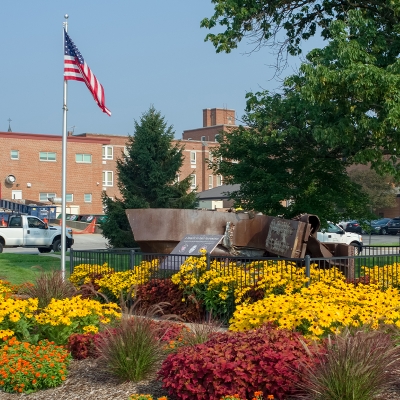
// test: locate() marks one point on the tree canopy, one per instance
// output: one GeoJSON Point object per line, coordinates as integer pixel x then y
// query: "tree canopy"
{"type": "Point", "coordinates": [280, 160]}
{"type": "Point", "coordinates": [147, 177]}
{"type": "Point", "coordinates": [342, 108]}
{"type": "Point", "coordinates": [262, 20]}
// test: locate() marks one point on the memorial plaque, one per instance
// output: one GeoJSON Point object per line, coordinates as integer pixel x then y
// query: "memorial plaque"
{"type": "Point", "coordinates": [287, 238]}
{"type": "Point", "coordinates": [190, 245]}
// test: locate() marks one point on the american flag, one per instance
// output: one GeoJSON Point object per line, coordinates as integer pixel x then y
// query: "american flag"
{"type": "Point", "coordinates": [75, 68]}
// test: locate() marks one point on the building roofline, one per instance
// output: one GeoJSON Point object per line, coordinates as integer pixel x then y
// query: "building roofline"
{"type": "Point", "coordinates": [210, 127]}
{"type": "Point", "coordinates": [54, 138]}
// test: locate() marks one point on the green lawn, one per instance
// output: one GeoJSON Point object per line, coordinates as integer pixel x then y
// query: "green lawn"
{"type": "Point", "coordinates": [20, 268]}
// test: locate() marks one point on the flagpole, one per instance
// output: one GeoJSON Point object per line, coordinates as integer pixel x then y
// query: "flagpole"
{"type": "Point", "coordinates": [64, 167]}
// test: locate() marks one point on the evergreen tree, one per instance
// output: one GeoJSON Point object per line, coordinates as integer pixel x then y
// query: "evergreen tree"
{"type": "Point", "coordinates": [147, 177]}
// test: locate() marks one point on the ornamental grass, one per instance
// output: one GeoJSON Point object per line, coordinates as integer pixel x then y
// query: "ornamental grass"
{"type": "Point", "coordinates": [48, 286]}
{"type": "Point", "coordinates": [27, 368]}
{"type": "Point", "coordinates": [352, 365]}
{"type": "Point", "coordinates": [134, 351]}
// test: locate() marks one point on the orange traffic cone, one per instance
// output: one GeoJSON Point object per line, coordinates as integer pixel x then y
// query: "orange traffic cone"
{"type": "Point", "coordinates": [92, 226]}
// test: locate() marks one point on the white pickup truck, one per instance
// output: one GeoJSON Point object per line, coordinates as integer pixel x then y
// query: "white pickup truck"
{"type": "Point", "coordinates": [29, 231]}
{"type": "Point", "coordinates": [335, 234]}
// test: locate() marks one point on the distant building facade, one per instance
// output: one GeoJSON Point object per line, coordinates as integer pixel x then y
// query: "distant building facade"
{"type": "Point", "coordinates": [36, 162]}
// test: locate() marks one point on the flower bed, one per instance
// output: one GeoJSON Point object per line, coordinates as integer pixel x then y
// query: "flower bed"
{"type": "Point", "coordinates": [255, 293]}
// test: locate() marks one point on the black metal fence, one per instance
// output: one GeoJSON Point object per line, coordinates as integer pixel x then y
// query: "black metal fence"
{"type": "Point", "coordinates": [375, 264]}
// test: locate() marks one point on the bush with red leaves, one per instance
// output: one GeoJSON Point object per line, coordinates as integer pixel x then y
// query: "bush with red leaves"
{"type": "Point", "coordinates": [163, 290]}
{"type": "Point", "coordinates": [84, 345]}
{"type": "Point", "coordinates": [265, 359]}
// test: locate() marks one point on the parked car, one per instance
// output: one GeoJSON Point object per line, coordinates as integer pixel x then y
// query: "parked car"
{"type": "Point", "coordinates": [379, 226]}
{"type": "Point", "coordinates": [343, 224]}
{"type": "Point", "coordinates": [353, 226]}
{"type": "Point", "coordinates": [394, 226]}
{"type": "Point", "coordinates": [335, 234]}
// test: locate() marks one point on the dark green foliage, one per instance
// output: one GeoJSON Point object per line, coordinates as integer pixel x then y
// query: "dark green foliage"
{"type": "Point", "coordinates": [146, 177]}
{"type": "Point", "coordinates": [280, 159]}
{"type": "Point", "coordinates": [261, 20]}
{"type": "Point", "coordinates": [116, 226]}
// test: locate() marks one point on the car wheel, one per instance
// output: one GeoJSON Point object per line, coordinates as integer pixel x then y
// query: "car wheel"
{"type": "Point", "coordinates": [356, 248]}
{"type": "Point", "coordinates": [384, 231]}
{"type": "Point", "coordinates": [57, 245]}
{"type": "Point", "coordinates": [44, 249]}
{"type": "Point", "coordinates": [1, 247]}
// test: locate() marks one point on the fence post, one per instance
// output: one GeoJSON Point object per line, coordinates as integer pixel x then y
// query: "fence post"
{"type": "Point", "coordinates": [307, 260]}
{"type": "Point", "coordinates": [208, 261]}
{"type": "Point", "coordinates": [131, 258]}
{"type": "Point", "coordinates": [71, 260]}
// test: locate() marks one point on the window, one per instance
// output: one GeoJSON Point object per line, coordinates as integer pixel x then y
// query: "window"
{"type": "Point", "coordinates": [87, 197]}
{"type": "Point", "coordinates": [14, 154]}
{"type": "Point", "coordinates": [193, 181]}
{"type": "Point", "coordinates": [177, 178]}
{"type": "Point", "coordinates": [107, 178]}
{"type": "Point", "coordinates": [192, 157]}
{"type": "Point", "coordinates": [216, 137]}
{"type": "Point", "coordinates": [47, 156]}
{"type": "Point", "coordinates": [69, 197]}
{"type": "Point", "coordinates": [83, 158]}
{"type": "Point", "coordinates": [107, 152]}
{"type": "Point", "coordinates": [33, 222]}
{"type": "Point", "coordinates": [45, 196]}
{"type": "Point", "coordinates": [126, 152]}
{"type": "Point", "coordinates": [203, 138]}
{"type": "Point", "coordinates": [210, 157]}
{"type": "Point", "coordinates": [219, 180]}
{"type": "Point", "coordinates": [210, 181]}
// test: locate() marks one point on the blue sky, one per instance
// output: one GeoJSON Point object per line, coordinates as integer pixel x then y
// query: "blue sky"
{"type": "Point", "coordinates": [143, 53]}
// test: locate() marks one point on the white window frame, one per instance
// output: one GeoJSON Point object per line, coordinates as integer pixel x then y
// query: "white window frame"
{"type": "Point", "coordinates": [44, 156]}
{"type": "Point", "coordinates": [203, 139]}
{"type": "Point", "coordinates": [69, 196]}
{"type": "Point", "coordinates": [87, 197]}
{"type": "Point", "coordinates": [193, 158]}
{"type": "Point", "coordinates": [41, 196]}
{"type": "Point", "coordinates": [210, 181]}
{"type": "Point", "coordinates": [216, 137]}
{"type": "Point", "coordinates": [219, 180]}
{"type": "Point", "coordinates": [193, 184]}
{"type": "Point", "coordinates": [83, 156]}
{"type": "Point", "coordinates": [107, 182]}
{"type": "Point", "coordinates": [105, 151]}
{"type": "Point", "coordinates": [177, 177]}
{"type": "Point", "coordinates": [11, 155]}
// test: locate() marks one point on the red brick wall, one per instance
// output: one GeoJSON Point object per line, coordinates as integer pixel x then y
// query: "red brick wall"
{"type": "Point", "coordinates": [45, 176]}
{"type": "Point", "coordinates": [218, 116]}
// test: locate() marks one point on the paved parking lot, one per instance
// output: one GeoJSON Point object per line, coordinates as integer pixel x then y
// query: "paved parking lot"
{"type": "Point", "coordinates": [82, 242]}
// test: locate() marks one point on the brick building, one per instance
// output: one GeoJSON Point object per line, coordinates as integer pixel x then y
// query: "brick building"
{"type": "Point", "coordinates": [35, 160]}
